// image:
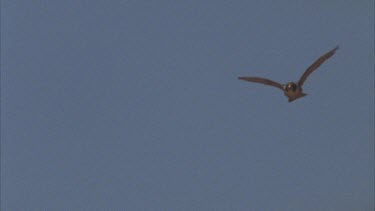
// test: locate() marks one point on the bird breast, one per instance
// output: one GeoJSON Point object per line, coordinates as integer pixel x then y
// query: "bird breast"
{"type": "Point", "coordinates": [292, 94]}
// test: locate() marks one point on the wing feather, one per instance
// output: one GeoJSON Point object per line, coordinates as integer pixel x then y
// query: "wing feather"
{"type": "Point", "coordinates": [315, 65]}
{"type": "Point", "coordinates": [262, 81]}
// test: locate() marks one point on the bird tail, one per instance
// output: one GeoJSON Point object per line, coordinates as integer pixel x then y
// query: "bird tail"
{"type": "Point", "coordinates": [295, 98]}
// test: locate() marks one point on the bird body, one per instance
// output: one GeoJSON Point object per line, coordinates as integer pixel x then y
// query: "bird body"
{"type": "Point", "coordinates": [293, 90]}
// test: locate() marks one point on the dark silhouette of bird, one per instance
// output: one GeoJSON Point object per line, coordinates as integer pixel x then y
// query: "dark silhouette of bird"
{"type": "Point", "coordinates": [293, 90]}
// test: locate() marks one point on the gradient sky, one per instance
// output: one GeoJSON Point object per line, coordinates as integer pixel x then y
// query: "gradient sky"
{"type": "Point", "coordinates": [136, 105]}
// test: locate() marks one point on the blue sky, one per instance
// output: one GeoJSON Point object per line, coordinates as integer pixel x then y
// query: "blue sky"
{"type": "Point", "coordinates": [136, 105]}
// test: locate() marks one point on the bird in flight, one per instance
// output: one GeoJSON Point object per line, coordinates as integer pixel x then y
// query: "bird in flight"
{"type": "Point", "coordinates": [293, 90]}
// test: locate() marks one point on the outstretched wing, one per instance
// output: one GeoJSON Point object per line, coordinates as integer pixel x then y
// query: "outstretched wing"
{"type": "Point", "coordinates": [315, 65]}
{"type": "Point", "coordinates": [262, 81]}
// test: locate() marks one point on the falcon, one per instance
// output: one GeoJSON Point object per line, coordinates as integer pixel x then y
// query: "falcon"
{"type": "Point", "coordinates": [293, 90]}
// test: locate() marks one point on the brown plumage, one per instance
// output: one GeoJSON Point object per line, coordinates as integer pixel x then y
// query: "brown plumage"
{"type": "Point", "coordinates": [293, 90]}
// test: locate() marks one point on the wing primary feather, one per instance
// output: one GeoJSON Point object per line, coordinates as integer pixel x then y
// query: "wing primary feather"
{"type": "Point", "coordinates": [315, 65]}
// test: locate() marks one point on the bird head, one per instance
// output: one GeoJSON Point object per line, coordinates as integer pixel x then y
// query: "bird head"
{"type": "Point", "coordinates": [290, 87]}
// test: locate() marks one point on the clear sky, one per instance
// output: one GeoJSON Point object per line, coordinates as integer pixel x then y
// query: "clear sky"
{"type": "Point", "coordinates": [136, 105]}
